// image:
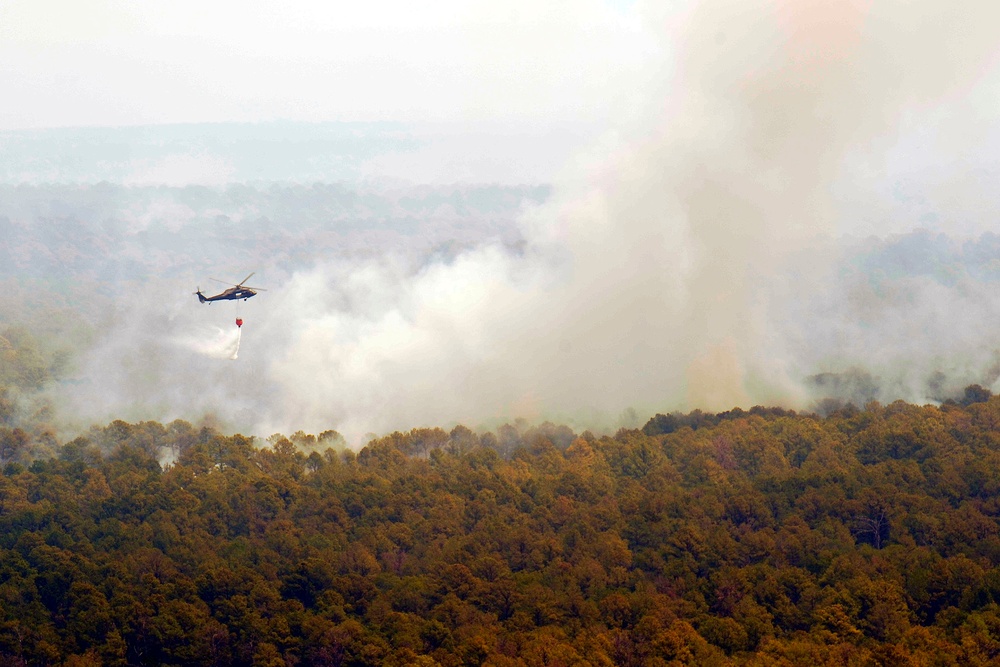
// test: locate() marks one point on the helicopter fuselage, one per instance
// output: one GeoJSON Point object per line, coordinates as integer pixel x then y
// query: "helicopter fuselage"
{"type": "Point", "coordinates": [231, 294]}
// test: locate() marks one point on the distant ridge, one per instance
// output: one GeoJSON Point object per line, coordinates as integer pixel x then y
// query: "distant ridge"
{"type": "Point", "coordinates": [233, 152]}
{"type": "Point", "coordinates": [382, 153]}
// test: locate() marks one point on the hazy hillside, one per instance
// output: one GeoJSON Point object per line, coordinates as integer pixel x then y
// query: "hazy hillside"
{"type": "Point", "coordinates": [112, 234]}
{"type": "Point", "coordinates": [215, 154]}
{"type": "Point", "coordinates": [104, 273]}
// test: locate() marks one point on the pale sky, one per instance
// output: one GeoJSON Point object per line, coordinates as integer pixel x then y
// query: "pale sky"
{"type": "Point", "coordinates": [561, 71]}
{"type": "Point", "coordinates": [122, 62]}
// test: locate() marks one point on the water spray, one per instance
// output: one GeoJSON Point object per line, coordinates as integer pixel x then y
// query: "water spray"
{"type": "Point", "coordinates": [239, 335]}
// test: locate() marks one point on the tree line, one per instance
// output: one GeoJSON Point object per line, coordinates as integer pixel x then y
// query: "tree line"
{"type": "Point", "coordinates": [760, 537]}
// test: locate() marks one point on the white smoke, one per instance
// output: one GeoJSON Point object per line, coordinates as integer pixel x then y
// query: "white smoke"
{"type": "Point", "coordinates": [164, 359]}
{"type": "Point", "coordinates": [650, 282]}
{"type": "Point", "coordinates": [689, 261]}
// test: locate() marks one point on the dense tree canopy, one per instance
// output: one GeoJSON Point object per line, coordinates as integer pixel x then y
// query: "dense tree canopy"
{"type": "Point", "coordinates": [749, 537]}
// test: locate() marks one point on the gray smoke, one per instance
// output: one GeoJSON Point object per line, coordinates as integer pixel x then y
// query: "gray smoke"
{"type": "Point", "coordinates": [695, 258]}
{"type": "Point", "coordinates": [671, 276]}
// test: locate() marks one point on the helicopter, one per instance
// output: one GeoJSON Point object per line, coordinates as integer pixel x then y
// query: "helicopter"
{"type": "Point", "coordinates": [234, 293]}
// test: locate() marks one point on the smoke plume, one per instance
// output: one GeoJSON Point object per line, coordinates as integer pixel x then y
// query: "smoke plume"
{"type": "Point", "coordinates": [670, 276]}
{"type": "Point", "coordinates": [743, 237]}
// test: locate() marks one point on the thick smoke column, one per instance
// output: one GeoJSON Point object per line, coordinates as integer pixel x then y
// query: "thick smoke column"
{"type": "Point", "coordinates": [699, 265]}
{"type": "Point", "coordinates": [644, 283]}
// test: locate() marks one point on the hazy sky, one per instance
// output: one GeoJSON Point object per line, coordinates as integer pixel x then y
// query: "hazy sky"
{"type": "Point", "coordinates": [122, 62]}
{"type": "Point", "coordinates": [526, 85]}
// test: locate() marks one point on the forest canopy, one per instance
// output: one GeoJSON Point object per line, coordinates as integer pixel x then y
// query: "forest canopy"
{"type": "Point", "coordinates": [748, 537]}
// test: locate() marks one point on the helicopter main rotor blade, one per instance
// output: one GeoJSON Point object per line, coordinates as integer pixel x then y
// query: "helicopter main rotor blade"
{"type": "Point", "coordinates": [223, 282]}
{"type": "Point", "coordinates": [255, 289]}
{"type": "Point", "coordinates": [246, 279]}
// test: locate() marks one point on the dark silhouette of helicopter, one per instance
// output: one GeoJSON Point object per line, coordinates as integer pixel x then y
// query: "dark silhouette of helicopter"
{"type": "Point", "coordinates": [234, 293]}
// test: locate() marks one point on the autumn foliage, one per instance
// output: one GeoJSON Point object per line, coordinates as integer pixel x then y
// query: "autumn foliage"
{"type": "Point", "coordinates": [765, 537]}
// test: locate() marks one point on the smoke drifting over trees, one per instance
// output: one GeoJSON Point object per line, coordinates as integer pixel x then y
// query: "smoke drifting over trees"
{"type": "Point", "coordinates": [749, 237]}
{"type": "Point", "coordinates": [697, 267]}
